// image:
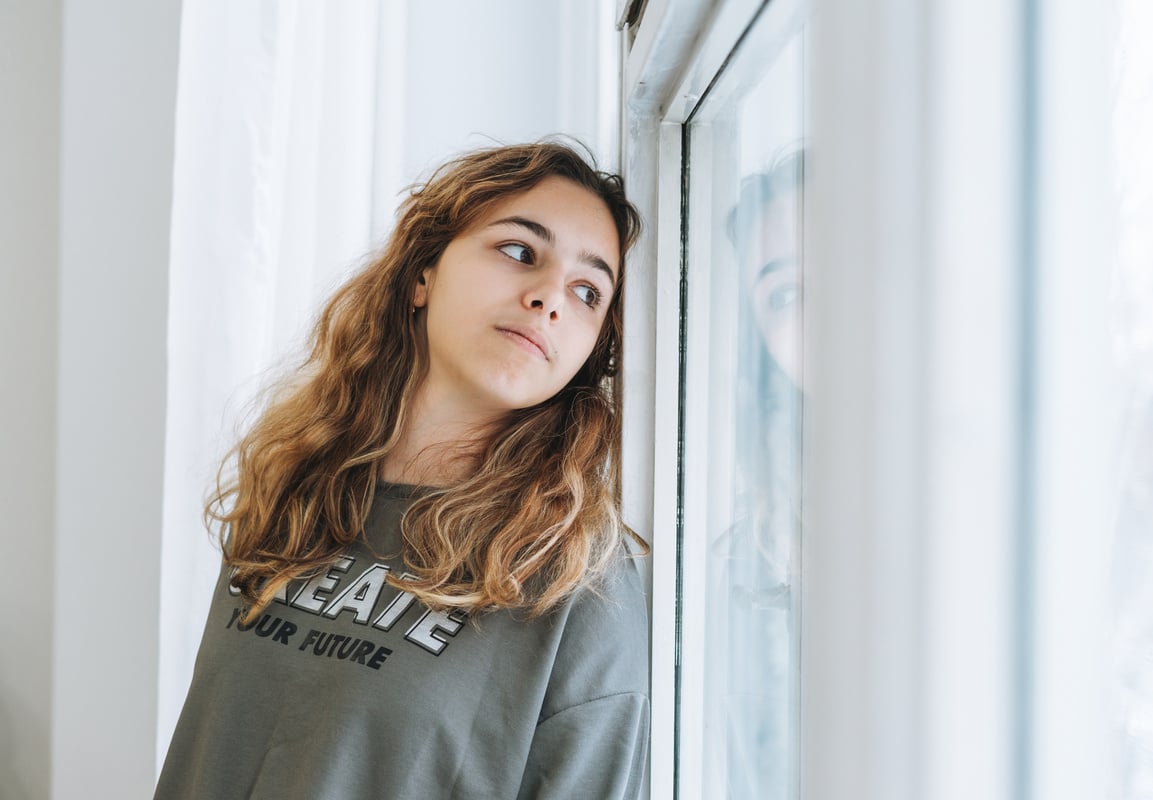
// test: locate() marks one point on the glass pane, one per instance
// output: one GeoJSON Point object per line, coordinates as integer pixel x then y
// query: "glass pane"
{"type": "Point", "coordinates": [1133, 314]}
{"type": "Point", "coordinates": [745, 148]}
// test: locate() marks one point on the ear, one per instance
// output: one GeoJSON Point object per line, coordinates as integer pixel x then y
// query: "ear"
{"type": "Point", "coordinates": [420, 291]}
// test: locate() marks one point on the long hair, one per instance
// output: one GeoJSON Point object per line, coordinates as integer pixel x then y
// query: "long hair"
{"type": "Point", "coordinates": [539, 518]}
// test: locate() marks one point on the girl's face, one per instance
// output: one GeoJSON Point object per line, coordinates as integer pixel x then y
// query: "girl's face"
{"type": "Point", "coordinates": [516, 303]}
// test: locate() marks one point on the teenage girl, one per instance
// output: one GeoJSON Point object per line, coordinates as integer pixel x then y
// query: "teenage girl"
{"type": "Point", "coordinates": [427, 589]}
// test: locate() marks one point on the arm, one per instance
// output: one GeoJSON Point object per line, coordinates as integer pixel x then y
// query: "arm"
{"type": "Point", "coordinates": [592, 736]}
{"type": "Point", "coordinates": [596, 750]}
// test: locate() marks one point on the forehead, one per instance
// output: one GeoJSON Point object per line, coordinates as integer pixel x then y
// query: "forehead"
{"type": "Point", "coordinates": [573, 216]}
{"type": "Point", "coordinates": [776, 225]}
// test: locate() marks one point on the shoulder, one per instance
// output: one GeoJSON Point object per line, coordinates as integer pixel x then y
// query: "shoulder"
{"type": "Point", "coordinates": [604, 646]}
{"type": "Point", "coordinates": [615, 600]}
{"type": "Point", "coordinates": [613, 604]}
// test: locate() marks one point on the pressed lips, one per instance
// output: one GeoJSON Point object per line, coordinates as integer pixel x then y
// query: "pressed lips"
{"type": "Point", "coordinates": [531, 340]}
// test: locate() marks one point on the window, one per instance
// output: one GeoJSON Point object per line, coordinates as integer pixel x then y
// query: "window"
{"type": "Point", "coordinates": [737, 142]}
{"type": "Point", "coordinates": [1131, 567]}
{"type": "Point", "coordinates": [876, 377]}
{"type": "Point", "coordinates": [744, 376]}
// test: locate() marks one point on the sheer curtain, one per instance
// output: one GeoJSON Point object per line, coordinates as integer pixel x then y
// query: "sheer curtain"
{"type": "Point", "coordinates": [276, 171]}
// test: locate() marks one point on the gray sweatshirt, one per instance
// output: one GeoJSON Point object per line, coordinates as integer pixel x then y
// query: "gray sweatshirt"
{"type": "Point", "coordinates": [345, 687]}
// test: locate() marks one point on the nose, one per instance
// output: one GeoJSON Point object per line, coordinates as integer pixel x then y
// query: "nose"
{"type": "Point", "coordinates": [546, 294]}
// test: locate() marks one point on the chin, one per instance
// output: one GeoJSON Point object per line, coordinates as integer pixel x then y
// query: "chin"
{"type": "Point", "coordinates": [503, 402]}
{"type": "Point", "coordinates": [511, 395]}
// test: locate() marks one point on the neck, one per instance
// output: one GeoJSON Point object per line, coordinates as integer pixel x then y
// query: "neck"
{"type": "Point", "coordinates": [439, 445]}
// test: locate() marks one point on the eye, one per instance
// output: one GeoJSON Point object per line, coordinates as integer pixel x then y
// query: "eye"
{"type": "Point", "coordinates": [518, 252]}
{"type": "Point", "coordinates": [589, 295]}
{"type": "Point", "coordinates": [783, 297]}
{"type": "Point", "coordinates": [778, 292]}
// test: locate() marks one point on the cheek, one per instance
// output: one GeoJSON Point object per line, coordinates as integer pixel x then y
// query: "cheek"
{"type": "Point", "coordinates": [597, 350]}
{"type": "Point", "coordinates": [776, 301]}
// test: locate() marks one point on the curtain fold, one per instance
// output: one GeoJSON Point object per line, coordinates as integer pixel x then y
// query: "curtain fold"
{"type": "Point", "coordinates": [272, 205]}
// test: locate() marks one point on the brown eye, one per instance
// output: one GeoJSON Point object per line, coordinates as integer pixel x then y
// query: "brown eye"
{"type": "Point", "coordinates": [588, 295]}
{"type": "Point", "coordinates": [517, 252]}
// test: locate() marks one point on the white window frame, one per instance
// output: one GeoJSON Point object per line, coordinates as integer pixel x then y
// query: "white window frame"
{"type": "Point", "coordinates": [678, 46]}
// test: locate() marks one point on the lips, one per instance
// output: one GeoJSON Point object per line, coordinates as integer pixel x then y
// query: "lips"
{"type": "Point", "coordinates": [528, 338]}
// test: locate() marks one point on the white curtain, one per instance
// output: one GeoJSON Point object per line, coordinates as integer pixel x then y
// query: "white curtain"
{"type": "Point", "coordinates": [273, 204]}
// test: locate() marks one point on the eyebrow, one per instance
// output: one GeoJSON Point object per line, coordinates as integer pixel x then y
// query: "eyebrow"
{"type": "Point", "coordinates": [543, 232]}
{"type": "Point", "coordinates": [775, 265]}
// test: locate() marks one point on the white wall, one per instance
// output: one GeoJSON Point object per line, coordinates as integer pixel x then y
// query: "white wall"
{"type": "Point", "coordinates": [506, 72]}
{"type": "Point", "coordinates": [119, 86]}
{"type": "Point", "coordinates": [85, 160]}
{"type": "Point", "coordinates": [29, 146]}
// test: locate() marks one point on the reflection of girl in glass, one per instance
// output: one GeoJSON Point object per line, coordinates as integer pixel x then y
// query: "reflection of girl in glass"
{"type": "Point", "coordinates": [448, 452]}
{"type": "Point", "coordinates": [758, 553]}
{"type": "Point", "coordinates": [765, 229]}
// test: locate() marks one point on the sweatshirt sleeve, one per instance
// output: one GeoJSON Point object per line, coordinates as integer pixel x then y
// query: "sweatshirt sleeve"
{"type": "Point", "coordinates": [592, 735]}
{"type": "Point", "coordinates": [596, 750]}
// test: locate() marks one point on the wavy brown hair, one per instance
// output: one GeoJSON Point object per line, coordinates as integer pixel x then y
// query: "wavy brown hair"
{"type": "Point", "coordinates": [538, 518]}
